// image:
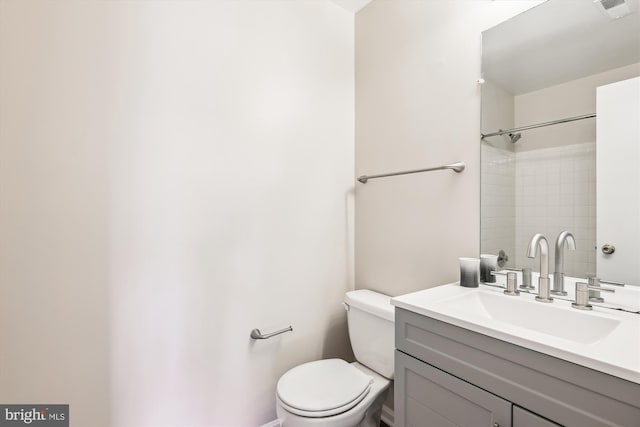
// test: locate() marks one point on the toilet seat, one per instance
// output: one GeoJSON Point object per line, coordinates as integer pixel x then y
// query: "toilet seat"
{"type": "Point", "coordinates": [322, 388]}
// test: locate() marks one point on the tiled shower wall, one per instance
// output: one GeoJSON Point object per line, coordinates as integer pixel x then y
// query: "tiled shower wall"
{"type": "Point", "coordinates": [540, 191]}
{"type": "Point", "coordinates": [498, 218]}
{"type": "Point", "coordinates": [556, 191]}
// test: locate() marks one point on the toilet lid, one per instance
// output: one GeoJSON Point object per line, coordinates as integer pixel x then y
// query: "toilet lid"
{"type": "Point", "coordinates": [323, 388]}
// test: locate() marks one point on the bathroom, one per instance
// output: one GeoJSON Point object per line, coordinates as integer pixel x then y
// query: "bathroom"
{"type": "Point", "coordinates": [174, 174]}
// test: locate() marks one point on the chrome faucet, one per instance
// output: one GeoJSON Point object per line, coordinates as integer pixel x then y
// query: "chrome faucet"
{"type": "Point", "coordinates": [558, 275]}
{"type": "Point", "coordinates": [543, 280]}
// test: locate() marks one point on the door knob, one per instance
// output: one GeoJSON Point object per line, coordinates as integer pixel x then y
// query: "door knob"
{"type": "Point", "coordinates": [608, 249]}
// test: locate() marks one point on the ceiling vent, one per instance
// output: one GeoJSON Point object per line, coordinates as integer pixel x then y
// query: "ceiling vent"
{"type": "Point", "coordinates": [614, 8]}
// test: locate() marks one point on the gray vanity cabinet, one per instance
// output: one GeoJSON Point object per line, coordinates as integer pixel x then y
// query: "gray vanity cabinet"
{"type": "Point", "coordinates": [451, 376]}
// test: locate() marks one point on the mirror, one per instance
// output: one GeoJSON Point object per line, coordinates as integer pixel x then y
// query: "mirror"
{"type": "Point", "coordinates": [540, 68]}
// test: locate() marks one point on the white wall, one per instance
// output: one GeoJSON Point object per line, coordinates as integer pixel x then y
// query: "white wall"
{"type": "Point", "coordinates": [570, 99]}
{"type": "Point", "coordinates": [173, 174]}
{"type": "Point", "coordinates": [54, 213]}
{"type": "Point", "coordinates": [418, 105]}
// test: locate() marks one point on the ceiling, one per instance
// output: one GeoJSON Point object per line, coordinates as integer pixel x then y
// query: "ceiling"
{"type": "Point", "coordinates": [559, 41]}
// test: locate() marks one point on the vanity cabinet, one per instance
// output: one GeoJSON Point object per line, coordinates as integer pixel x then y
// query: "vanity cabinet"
{"type": "Point", "coordinates": [450, 376]}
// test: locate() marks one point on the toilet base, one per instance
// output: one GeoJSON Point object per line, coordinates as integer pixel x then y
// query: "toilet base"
{"type": "Point", "coordinates": [373, 414]}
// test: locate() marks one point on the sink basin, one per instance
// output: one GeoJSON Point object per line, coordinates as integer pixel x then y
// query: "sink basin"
{"type": "Point", "coordinates": [602, 339]}
{"type": "Point", "coordinates": [528, 314]}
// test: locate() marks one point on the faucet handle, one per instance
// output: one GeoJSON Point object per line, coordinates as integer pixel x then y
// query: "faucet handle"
{"type": "Point", "coordinates": [526, 277]}
{"type": "Point", "coordinates": [512, 282]}
{"type": "Point", "coordinates": [582, 295]}
{"type": "Point", "coordinates": [594, 291]}
{"type": "Point", "coordinates": [611, 282]}
{"type": "Point", "coordinates": [594, 294]}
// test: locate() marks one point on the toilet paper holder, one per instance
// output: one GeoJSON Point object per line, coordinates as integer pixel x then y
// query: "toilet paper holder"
{"type": "Point", "coordinates": [257, 335]}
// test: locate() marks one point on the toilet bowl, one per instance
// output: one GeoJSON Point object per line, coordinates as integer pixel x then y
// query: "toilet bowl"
{"type": "Point", "coordinates": [334, 393]}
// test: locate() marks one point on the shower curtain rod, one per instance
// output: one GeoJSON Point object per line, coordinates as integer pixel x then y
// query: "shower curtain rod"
{"type": "Point", "coordinates": [539, 125]}
{"type": "Point", "coordinates": [457, 167]}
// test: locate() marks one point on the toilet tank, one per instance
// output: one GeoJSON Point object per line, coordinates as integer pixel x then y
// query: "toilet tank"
{"type": "Point", "coordinates": [370, 317]}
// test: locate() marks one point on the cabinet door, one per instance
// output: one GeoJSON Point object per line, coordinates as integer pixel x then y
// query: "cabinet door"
{"type": "Point", "coordinates": [524, 418]}
{"type": "Point", "coordinates": [428, 397]}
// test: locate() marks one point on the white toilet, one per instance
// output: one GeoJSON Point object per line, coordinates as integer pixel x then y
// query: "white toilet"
{"type": "Point", "coordinates": [334, 393]}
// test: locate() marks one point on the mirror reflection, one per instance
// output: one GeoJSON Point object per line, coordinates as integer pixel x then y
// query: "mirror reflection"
{"type": "Point", "coordinates": [561, 138]}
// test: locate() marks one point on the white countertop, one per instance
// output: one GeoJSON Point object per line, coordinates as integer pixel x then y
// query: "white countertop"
{"type": "Point", "coordinates": [601, 339]}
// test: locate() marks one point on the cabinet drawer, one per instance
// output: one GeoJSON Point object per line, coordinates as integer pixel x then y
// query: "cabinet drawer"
{"type": "Point", "coordinates": [524, 418]}
{"type": "Point", "coordinates": [429, 397]}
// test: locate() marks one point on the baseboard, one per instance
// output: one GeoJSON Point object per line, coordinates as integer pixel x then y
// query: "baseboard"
{"type": "Point", "coordinates": [274, 423]}
{"type": "Point", "coordinates": [387, 415]}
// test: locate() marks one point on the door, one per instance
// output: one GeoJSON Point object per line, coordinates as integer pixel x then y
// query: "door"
{"type": "Point", "coordinates": [618, 181]}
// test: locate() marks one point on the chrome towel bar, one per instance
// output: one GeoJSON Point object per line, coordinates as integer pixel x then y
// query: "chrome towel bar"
{"type": "Point", "coordinates": [457, 167]}
{"type": "Point", "coordinates": [257, 335]}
